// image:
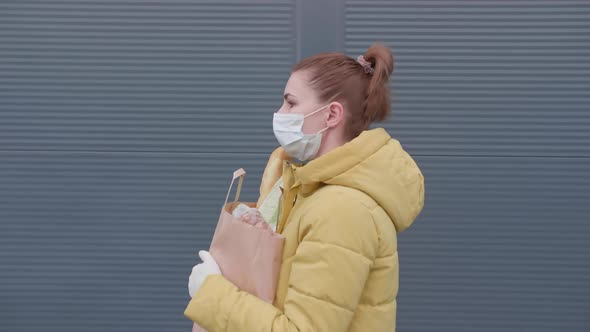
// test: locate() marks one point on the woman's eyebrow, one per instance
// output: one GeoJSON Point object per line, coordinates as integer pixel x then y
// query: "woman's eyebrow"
{"type": "Point", "coordinates": [287, 95]}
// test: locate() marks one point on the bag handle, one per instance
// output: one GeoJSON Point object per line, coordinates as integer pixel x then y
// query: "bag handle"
{"type": "Point", "coordinates": [237, 174]}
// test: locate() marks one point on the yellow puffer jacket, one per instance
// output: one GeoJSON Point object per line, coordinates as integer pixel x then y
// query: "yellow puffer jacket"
{"type": "Point", "coordinates": [340, 265]}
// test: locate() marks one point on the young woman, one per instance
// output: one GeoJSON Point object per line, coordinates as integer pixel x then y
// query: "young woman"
{"type": "Point", "coordinates": [346, 193]}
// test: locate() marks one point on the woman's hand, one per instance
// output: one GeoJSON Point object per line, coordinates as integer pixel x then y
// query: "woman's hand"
{"type": "Point", "coordinates": [201, 272]}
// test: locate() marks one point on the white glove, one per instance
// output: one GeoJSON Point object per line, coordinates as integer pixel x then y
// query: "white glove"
{"type": "Point", "coordinates": [201, 272]}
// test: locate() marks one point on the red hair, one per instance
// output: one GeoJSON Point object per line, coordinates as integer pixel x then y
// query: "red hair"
{"type": "Point", "coordinates": [365, 96]}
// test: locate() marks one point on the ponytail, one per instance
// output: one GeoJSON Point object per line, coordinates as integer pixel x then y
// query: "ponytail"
{"type": "Point", "coordinates": [377, 105]}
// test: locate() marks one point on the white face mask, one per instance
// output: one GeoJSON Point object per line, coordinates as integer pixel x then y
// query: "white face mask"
{"type": "Point", "coordinates": [288, 131]}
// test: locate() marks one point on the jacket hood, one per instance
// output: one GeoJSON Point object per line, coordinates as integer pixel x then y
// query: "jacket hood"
{"type": "Point", "coordinates": [377, 165]}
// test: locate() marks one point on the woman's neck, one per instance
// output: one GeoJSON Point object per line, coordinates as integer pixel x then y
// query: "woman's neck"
{"type": "Point", "coordinates": [332, 139]}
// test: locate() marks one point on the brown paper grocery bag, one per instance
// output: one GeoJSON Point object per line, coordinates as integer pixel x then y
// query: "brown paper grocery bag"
{"type": "Point", "coordinates": [248, 256]}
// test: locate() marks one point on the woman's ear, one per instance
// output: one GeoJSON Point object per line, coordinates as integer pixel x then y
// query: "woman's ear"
{"type": "Point", "coordinates": [335, 114]}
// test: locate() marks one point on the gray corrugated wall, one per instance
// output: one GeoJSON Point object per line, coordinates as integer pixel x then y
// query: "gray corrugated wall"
{"type": "Point", "coordinates": [121, 121]}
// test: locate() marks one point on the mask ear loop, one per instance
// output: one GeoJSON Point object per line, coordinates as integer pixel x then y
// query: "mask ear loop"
{"type": "Point", "coordinates": [321, 108]}
{"type": "Point", "coordinates": [330, 101]}
{"type": "Point", "coordinates": [317, 111]}
{"type": "Point", "coordinates": [321, 131]}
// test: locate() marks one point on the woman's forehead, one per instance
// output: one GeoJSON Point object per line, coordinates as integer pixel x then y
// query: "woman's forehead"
{"type": "Point", "coordinates": [298, 85]}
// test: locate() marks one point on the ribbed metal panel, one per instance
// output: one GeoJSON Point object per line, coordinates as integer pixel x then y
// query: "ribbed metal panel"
{"type": "Point", "coordinates": [120, 125]}
{"type": "Point", "coordinates": [105, 241]}
{"type": "Point", "coordinates": [505, 78]}
{"type": "Point", "coordinates": [492, 98]}
{"type": "Point", "coordinates": [502, 245]}
{"type": "Point", "coordinates": [183, 76]}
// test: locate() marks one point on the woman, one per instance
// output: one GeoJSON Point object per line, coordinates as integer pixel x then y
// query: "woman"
{"type": "Point", "coordinates": [352, 190]}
